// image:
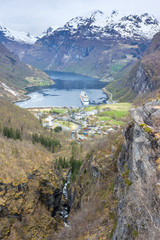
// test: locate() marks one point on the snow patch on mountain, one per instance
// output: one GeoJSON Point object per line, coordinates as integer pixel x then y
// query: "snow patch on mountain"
{"type": "Point", "coordinates": [17, 36]}
{"type": "Point", "coordinates": [8, 89]}
{"type": "Point", "coordinates": [99, 19]}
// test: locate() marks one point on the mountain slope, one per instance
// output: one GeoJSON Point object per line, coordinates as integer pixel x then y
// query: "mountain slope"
{"type": "Point", "coordinates": [16, 41]}
{"type": "Point", "coordinates": [141, 79]}
{"type": "Point", "coordinates": [16, 75]}
{"type": "Point", "coordinates": [26, 169]}
{"type": "Point", "coordinates": [96, 45]}
{"type": "Point", "coordinates": [31, 184]}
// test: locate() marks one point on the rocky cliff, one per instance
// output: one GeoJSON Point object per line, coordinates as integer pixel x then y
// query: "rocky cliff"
{"type": "Point", "coordinates": [138, 183]}
{"type": "Point", "coordinates": [146, 78]}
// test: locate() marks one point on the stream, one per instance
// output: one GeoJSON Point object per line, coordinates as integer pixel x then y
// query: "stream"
{"type": "Point", "coordinates": [65, 206]}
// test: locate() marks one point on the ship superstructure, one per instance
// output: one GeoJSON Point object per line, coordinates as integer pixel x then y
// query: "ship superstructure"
{"type": "Point", "coordinates": [84, 98]}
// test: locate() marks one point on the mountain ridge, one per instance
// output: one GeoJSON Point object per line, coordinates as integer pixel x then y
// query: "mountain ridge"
{"type": "Point", "coordinates": [96, 45]}
{"type": "Point", "coordinates": [115, 21]}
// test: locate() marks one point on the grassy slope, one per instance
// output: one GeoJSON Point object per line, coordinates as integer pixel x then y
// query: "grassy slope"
{"type": "Point", "coordinates": [121, 86]}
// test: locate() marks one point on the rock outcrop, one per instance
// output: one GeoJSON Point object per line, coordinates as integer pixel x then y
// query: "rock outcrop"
{"type": "Point", "coordinates": [138, 184]}
{"type": "Point", "coordinates": [141, 83]}
{"type": "Point", "coordinates": [30, 208]}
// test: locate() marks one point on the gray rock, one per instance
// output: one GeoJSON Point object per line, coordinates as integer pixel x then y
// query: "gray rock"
{"type": "Point", "coordinates": [138, 183]}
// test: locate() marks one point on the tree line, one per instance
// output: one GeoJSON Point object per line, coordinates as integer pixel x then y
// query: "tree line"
{"type": "Point", "coordinates": [12, 133]}
{"type": "Point", "coordinates": [74, 164]}
{"type": "Point", "coordinates": [48, 142]}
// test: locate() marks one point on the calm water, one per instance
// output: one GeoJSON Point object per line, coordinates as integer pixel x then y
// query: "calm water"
{"type": "Point", "coordinates": [66, 92]}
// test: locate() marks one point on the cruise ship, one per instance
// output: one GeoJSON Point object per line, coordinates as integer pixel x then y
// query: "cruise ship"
{"type": "Point", "coordinates": [84, 98]}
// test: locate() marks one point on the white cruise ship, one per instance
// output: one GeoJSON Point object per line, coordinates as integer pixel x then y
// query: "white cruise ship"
{"type": "Point", "coordinates": [84, 98]}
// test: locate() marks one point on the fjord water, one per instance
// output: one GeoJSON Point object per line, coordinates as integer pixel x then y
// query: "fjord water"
{"type": "Point", "coordinates": [66, 91]}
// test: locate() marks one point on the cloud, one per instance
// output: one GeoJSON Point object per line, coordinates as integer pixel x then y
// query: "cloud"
{"type": "Point", "coordinates": [36, 16]}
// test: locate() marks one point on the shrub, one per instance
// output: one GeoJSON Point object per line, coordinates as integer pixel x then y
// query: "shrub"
{"type": "Point", "coordinates": [135, 233]}
{"type": "Point", "coordinates": [142, 125]}
{"type": "Point", "coordinates": [127, 182]}
{"type": "Point", "coordinates": [58, 129]}
{"type": "Point", "coordinates": [147, 129]}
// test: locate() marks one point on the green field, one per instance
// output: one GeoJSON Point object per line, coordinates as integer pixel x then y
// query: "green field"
{"type": "Point", "coordinates": [121, 107]}
{"type": "Point", "coordinates": [111, 121]}
{"type": "Point", "coordinates": [60, 110]}
{"type": "Point", "coordinates": [112, 114]}
{"type": "Point", "coordinates": [117, 67]}
{"type": "Point", "coordinates": [67, 124]}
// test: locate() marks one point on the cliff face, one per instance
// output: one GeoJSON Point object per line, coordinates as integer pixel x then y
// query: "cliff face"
{"type": "Point", "coordinates": [138, 184]}
{"type": "Point", "coordinates": [144, 77]}
{"type": "Point", "coordinates": [141, 83]}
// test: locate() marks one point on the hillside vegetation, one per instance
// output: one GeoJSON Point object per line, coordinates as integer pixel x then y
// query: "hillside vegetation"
{"type": "Point", "coordinates": [141, 78]}
{"type": "Point", "coordinates": [16, 75]}
{"type": "Point", "coordinates": [33, 173]}
{"type": "Point", "coordinates": [30, 183]}
{"type": "Point", "coordinates": [94, 208]}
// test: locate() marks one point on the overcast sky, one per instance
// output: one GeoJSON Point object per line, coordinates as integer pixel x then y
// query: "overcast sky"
{"type": "Point", "coordinates": [35, 16]}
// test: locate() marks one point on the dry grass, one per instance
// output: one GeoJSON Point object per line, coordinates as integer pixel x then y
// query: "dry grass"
{"type": "Point", "coordinates": [18, 159]}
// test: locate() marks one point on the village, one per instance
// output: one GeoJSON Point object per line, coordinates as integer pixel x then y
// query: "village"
{"type": "Point", "coordinates": [84, 123]}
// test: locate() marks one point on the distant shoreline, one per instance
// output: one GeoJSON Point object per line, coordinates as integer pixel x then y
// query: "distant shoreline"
{"type": "Point", "coordinates": [109, 94]}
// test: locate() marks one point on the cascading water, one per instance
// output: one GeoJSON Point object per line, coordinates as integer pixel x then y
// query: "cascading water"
{"type": "Point", "coordinates": [65, 206]}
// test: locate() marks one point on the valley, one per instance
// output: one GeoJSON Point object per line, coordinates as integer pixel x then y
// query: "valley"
{"type": "Point", "coordinates": [85, 123]}
{"type": "Point", "coordinates": [75, 172]}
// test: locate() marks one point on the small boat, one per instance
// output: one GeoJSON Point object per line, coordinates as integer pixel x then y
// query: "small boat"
{"type": "Point", "coordinates": [84, 98]}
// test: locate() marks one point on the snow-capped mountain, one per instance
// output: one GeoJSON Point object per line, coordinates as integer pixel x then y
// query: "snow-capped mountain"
{"type": "Point", "coordinates": [17, 36]}
{"type": "Point", "coordinates": [99, 25]}
{"type": "Point", "coordinates": [97, 44]}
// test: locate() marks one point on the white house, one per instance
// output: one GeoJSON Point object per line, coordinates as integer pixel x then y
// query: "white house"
{"type": "Point", "coordinates": [48, 122]}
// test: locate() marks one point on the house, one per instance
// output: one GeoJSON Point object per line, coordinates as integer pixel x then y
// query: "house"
{"type": "Point", "coordinates": [79, 116]}
{"type": "Point", "coordinates": [110, 130]}
{"type": "Point", "coordinates": [91, 113]}
{"type": "Point", "coordinates": [48, 122]}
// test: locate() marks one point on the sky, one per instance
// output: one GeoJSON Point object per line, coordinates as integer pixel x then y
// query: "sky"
{"type": "Point", "coordinates": [35, 16]}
